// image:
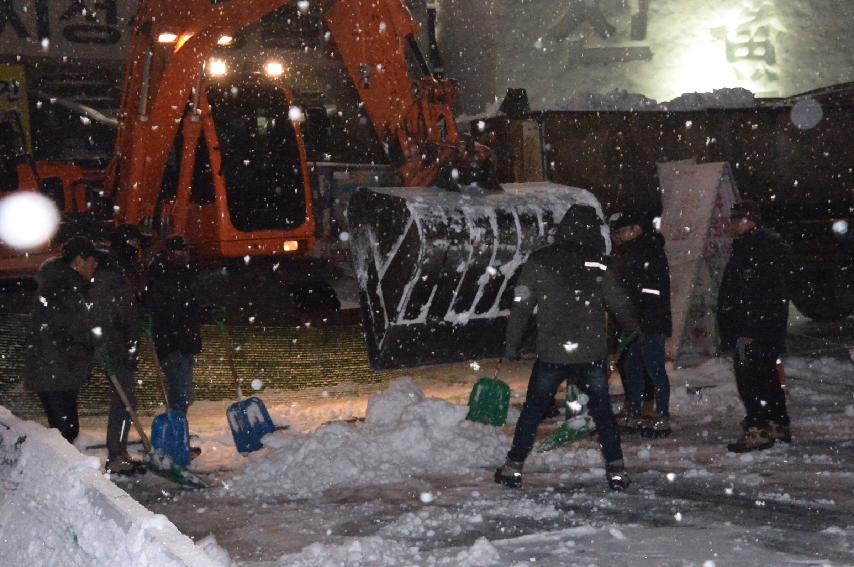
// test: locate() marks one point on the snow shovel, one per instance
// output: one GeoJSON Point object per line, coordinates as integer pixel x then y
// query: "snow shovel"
{"type": "Point", "coordinates": [154, 461]}
{"type": "Point", "coordinates": [489, 400]}
{"type": "Point", "coordinates": [247, 417]}
{"type": "Point", "coordinates": [578, 422]}
{"type": "Point", "coordinates": [170, 432]}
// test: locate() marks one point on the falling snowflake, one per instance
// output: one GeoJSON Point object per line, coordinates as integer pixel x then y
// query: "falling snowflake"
{"type": "Point", "coordinates": [570, 346]}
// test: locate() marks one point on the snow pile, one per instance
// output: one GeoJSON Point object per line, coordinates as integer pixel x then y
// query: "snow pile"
{"type": "Point", "coordinates": [365, 551]}
{"type": "Point", "coordinates": [404, 435]}
{"type": "Point", "coordinates": [377, 551]}
{"type": "Point", "coordinates": [710, 385]}
{"type": "Point", "coordinates": [617, 99]}
{"type": "Point", "coordinates": [719, 98]}
{"type": "Point", "coordinates": [824, 369]}
{"type": "Point", "coordinates": [57, 509]}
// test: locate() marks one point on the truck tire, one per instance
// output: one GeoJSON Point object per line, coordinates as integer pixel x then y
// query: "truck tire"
{"type": "Point", "coordinates": [824, 298]}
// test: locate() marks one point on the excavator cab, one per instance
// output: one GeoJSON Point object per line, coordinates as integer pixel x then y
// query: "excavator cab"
{"type": "Point", "coordinates": [435, 258]}
{"type": "Point", "coordinates": [247, 189]}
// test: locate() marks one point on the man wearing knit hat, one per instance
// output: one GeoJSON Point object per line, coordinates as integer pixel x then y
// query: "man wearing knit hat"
{"type": "Point", "coordinates": [752, 313]}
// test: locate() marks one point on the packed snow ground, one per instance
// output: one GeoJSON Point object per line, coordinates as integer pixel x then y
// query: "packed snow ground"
{"type": "Point", "coordinates": [400, 478]}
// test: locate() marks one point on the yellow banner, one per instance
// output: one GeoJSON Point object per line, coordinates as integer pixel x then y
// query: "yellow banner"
{"type": "Point", "coordinates": [13, 97]}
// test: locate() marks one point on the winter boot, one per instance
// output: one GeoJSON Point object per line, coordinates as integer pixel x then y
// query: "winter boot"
{"type": "Point", "coordinates": [780, 432]}
{"type": "Point", "coordinates": [618, 478]}
{"type": "Point", "coordinates": [509, 474]}
{"type": "Point", "coordinates": [754, 439]}
{"type": "Point", "coordinates": [657, 427]}
{"type": "Point", "coordinates": [648, 409]}
{"type": "Point", "coordinates": [630, 424]}
{"type": "Point", "coordinates": [123, 465]}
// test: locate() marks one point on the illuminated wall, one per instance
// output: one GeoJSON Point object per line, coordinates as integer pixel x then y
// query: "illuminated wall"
{"type": "Point", "coordinates": [660, 48]}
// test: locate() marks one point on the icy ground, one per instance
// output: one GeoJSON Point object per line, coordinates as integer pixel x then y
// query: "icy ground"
{"type": "Point", "coordinates": [411, 484]}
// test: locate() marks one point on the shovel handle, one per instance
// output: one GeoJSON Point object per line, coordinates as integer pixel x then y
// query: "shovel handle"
{"type": "Point", "coordinates": [497, 368]}
{"type": "Point", "coordinates": [218, 316]}
{"type": "Point", "coordinates": [146, 444]}
{"type": "Point", "coordinates": [148, 331]}
{"type": "Point", "coordinates": [148, 326]}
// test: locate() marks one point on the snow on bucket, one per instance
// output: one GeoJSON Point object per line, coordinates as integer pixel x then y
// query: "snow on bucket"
{"type": "Point", "coordinates": [435, 268]}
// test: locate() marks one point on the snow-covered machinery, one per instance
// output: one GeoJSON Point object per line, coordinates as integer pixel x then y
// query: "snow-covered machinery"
{"type": "Point", "coordinates": [219, 159]}
{"type": "Point", "coordinates": [436, 269]}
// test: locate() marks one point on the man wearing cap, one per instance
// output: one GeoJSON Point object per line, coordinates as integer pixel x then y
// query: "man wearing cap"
{"type": "Point", "coordinates": [60, 351]}
{"type": "Point", "coordinates": [752, 313]}
{"type": "Point", "coordinates": [641, 267]}
{"type": "Point", "coordinates": [175, 321]}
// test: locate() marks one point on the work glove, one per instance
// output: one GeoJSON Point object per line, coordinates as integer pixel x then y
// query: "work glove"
{"type": "Point", "coordinates": [627, 340]}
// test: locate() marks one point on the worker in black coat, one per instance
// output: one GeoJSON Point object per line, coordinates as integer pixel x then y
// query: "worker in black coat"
{"type": "Point", "coordinates": [175, 320]}
{"type": "Point", "coordinates": [115, 312]}
{"type": "Point", "coordinates": [753, 311]}
{"type": "Point", "coordinates": [62, 342]}
{"type": "Point", "coordinates": [570, 286]}
{"type": "Point", "coordinates": [641, 267]}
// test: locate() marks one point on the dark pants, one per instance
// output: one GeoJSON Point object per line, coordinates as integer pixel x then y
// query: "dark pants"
{"type": "Point", "coordinates": [545, 380]}
{"type": "Point", "coordinates": [178, 369]}
{"type": "Point", "coordinates": [648, 388]}
{"type": "Point", "coordinates": [61, 410]}
{"type": "Point", "coordinates": [646, 357]}
{"type": "Point", "coordinates": [118, 421]}
{"type": "Point", "coordinates": [759, 386]}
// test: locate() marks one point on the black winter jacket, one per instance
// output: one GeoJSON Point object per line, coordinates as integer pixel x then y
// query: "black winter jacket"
{"type": "Point", "coordinates": [115, 311]}
{"type": "Point", "coordinates": [62, 342]}
{"type": "Point", "coordinates": [175, 317]}
{"type": "Point", "coordinates": [752, 300]}
{"type": "Point", "coordinates": [571, 287]}
{"type": "Point", "coordinates": [641, 267]}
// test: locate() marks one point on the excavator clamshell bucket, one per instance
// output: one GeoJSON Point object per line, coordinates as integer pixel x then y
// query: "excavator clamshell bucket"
{"type": "Point", "coordinates": [436, 268]}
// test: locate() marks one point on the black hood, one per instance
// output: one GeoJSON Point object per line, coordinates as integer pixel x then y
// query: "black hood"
{"type": "Point", "coordinates": [56, 275]}
{"type": "Point", "coordinates": [581, 230]}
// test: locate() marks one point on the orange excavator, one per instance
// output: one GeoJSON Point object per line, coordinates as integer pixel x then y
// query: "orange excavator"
{"type": "Point", "coordinates": [219, 159]}
{"type": "Point", "coordinates": [67, 185]}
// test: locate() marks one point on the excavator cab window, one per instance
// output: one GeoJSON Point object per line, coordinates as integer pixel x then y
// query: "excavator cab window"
{"type": "Point", "coordinates": [202, 190]}
{"type": "Point", "coordinates": [260, 156]}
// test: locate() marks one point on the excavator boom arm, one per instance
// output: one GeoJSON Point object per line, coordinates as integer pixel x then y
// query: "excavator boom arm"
{"type": "Point", "coordinates": [409, 108]}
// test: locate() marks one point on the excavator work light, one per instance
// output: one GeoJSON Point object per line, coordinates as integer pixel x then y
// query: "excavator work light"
{"type": "Point", "coordinates": [274, 69]}
{"type": "Point", "coordinates": [216, 67]}
{"type": "Point", "coordinates": [225, 40]}
{"type": "Point", "coordinates": [167, 37]}
{"type": "Point", "coordinates": [290, 246]}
